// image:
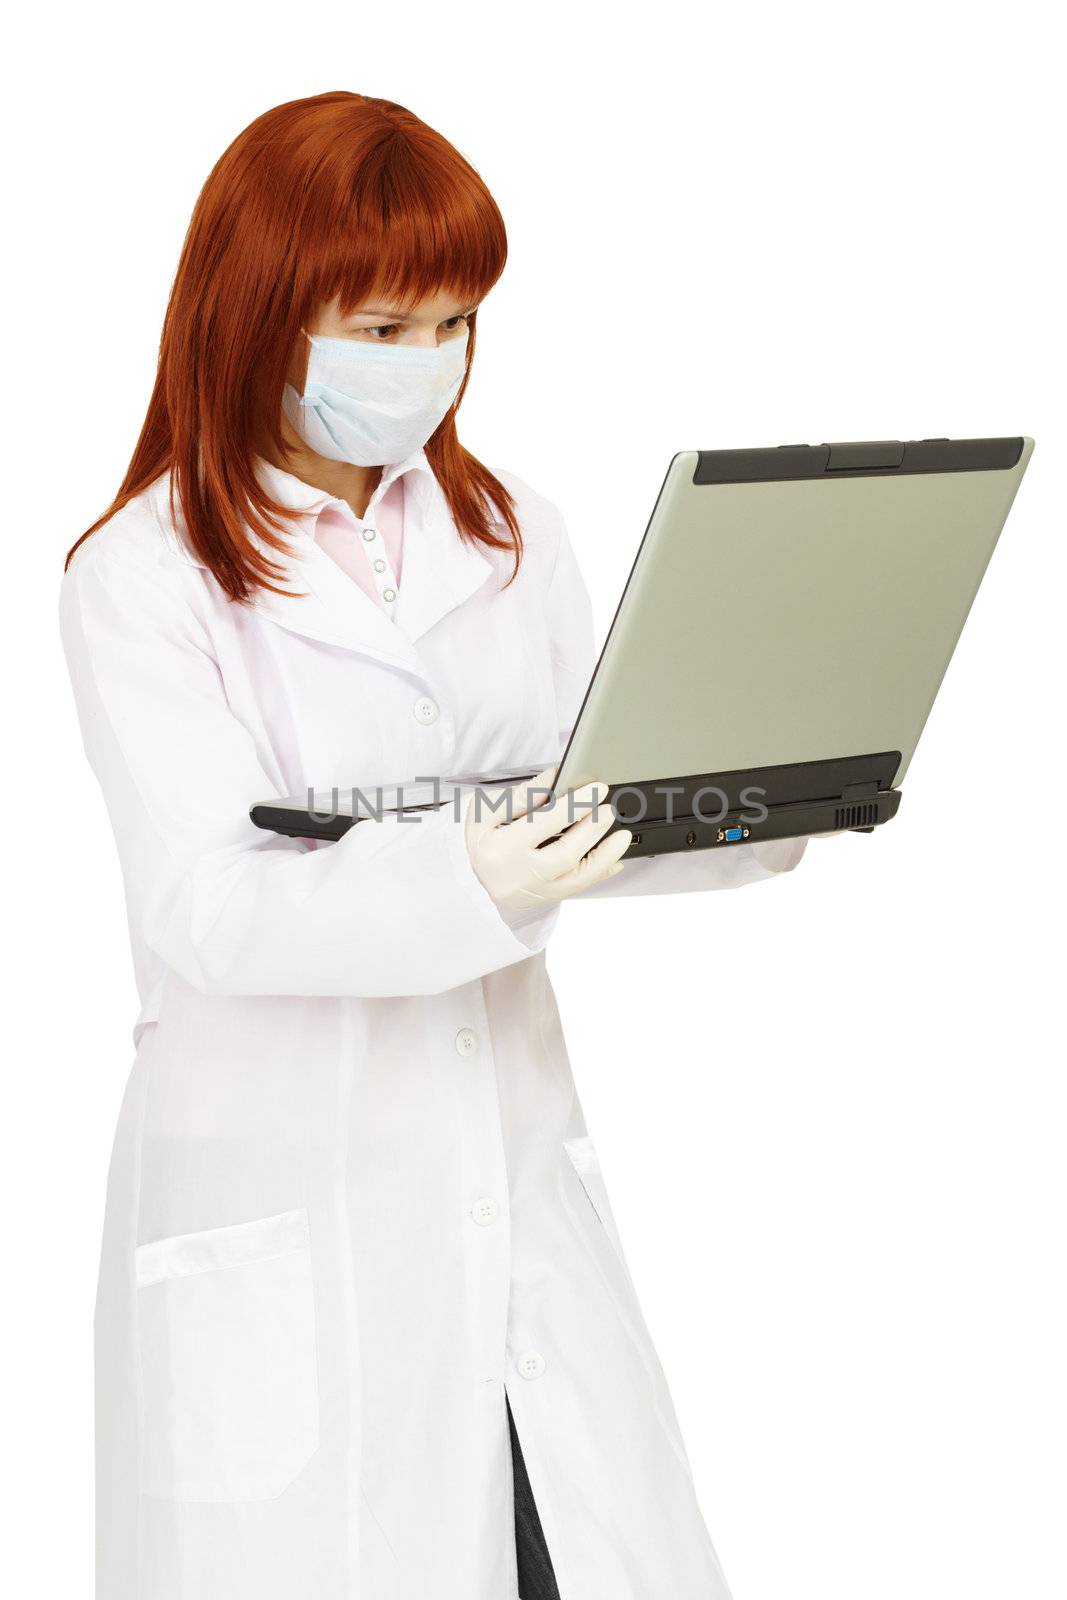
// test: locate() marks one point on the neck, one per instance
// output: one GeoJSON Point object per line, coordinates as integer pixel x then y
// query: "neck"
{"type": "Point", "coordinates": [340, 478]}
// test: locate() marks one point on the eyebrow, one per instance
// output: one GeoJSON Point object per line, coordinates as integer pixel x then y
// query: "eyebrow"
{"type": "Point", "coordinates": [394, 316]}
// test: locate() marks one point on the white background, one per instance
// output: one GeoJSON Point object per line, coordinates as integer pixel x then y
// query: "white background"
{"type": "Point", "coordinates": [841, 1094]}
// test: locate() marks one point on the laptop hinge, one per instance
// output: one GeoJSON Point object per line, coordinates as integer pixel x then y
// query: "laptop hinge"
{"type": "Point", "coordinates": [857, 791]}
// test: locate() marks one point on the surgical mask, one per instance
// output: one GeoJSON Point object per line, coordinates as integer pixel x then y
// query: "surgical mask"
{"type": "Point", "coordinates": [374, 404]}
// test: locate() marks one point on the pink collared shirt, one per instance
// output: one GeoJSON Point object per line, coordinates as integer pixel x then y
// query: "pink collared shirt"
{"type": "Point", "coordinates": [370, 551]}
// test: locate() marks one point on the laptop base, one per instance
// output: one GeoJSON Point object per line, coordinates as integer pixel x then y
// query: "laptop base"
{"type": "Point", "coordinates": [703, 811]}
{"type": "Point", "coordinates": [781, 822]}
{"type": "Point", "coordinates": [714, 810]}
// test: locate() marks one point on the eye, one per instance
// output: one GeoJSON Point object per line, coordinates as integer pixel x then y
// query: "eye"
{"type": "Point", "coordinates": [385, 330]}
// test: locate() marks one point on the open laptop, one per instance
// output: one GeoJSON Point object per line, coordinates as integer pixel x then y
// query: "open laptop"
{"type": "Point", "coordinates": [777, 647]}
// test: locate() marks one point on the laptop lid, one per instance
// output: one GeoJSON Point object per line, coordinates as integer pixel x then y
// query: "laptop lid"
{"type": "Point", "coordinates": [791, 606]}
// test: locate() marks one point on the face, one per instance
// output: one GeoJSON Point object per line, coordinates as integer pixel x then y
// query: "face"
{"type": "Point", "coordinates": [432, 322]}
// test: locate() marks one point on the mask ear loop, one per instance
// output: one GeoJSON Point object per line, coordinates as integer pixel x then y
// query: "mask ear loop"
{"type": "Point", "coordinates": [301, 393]}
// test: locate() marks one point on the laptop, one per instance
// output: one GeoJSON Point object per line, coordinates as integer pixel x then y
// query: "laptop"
{"type": "Point", "coordinates": [776, 650]}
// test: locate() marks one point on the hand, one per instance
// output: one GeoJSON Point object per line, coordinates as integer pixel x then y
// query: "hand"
{"type": "Point", "coordinates": [519, 871]}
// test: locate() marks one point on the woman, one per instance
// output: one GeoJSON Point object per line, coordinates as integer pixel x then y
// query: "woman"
{"type": "Point", "coordinates": [356, 1244]}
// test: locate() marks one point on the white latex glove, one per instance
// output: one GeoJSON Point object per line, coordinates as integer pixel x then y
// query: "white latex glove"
{"type": "Point", "coordinates": [517, 870]}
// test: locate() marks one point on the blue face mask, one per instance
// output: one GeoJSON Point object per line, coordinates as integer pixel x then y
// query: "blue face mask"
{"type": "Point", "coordinates": [374, 404]}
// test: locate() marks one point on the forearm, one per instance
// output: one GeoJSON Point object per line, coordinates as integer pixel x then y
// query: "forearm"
{"type": "Point", "coordinates": [684, 872]}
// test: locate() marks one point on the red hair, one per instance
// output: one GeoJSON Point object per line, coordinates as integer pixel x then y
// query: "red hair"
{"type": "Point", "coordinates": [336, 195]}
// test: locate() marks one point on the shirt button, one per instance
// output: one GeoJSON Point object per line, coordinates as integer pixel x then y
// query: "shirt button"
{"type": "Point", "coordinates": [388, 594]}
{"type": "Point", "coordinates": [370, 533]}
{"type": "Point", "coordinates": [379, 565]}
{"type": "Point", "coordinates": [531, 1365]}
{"type": "Point", "coordinates": [485, 1211]}
{"type": "Point", "coordinates": [467, 1042]}
{"type": "Point", "coordinates": [426, 710]}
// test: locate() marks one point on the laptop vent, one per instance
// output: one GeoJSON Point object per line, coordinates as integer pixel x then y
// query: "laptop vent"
{"type": "Point", "coordinates": [858, 816]}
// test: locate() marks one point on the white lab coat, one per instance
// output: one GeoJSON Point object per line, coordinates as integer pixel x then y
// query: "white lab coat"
{"type": "Point", "coordinates": [352, 1197]}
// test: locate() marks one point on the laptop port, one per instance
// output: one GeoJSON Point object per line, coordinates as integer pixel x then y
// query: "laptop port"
{"type": "Point", "coordinates": [734, 835]}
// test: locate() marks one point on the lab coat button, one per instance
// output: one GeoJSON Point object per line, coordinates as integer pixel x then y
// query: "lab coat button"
{"type": "Point", "coordinates": [426, 710]}
{"type": "Point", "coordinates": [532, 1364]}
{"type": "Point", "coordinates": [369, 534]}
{"type": "Point", "coordinates": [485, 1211]}
{"type": "Point", "coordinates": [388, 594]}
{"type": "Point", "coordinates": [379, 565]}
{"type": "Point", "coordinates": [466, 1041]}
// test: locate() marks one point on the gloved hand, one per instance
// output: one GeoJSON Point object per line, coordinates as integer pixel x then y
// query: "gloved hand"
{"type": "Point", "coordinates": [506, 855]}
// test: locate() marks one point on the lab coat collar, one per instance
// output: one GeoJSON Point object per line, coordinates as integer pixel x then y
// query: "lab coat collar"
{"type": "Point", "coordinates": [440, 568]}
{"type": "Point", "coordinates": [297, 495]}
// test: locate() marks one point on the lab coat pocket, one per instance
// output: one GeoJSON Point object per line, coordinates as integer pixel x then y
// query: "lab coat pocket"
{"type": "Point", "coordinates": [584, 1160]}
{"type": "Point", "coordinates": [228, 1362]}
{"type": "Point", "coordinates": [586, 1164]}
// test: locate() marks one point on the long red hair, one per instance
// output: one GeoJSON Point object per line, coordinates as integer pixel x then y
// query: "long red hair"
{"type": "Point", "coordinates": [335, 195]}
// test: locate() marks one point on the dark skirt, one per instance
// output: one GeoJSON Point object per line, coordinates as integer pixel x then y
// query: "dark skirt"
{"type": "Point", "coordinates": [536, 1578]}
